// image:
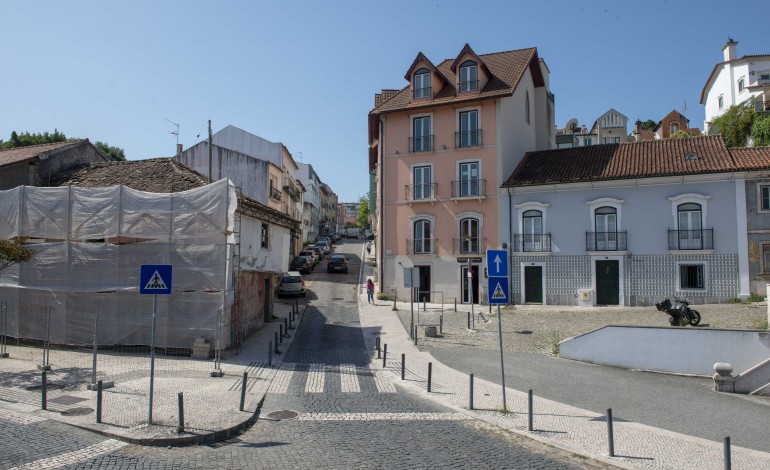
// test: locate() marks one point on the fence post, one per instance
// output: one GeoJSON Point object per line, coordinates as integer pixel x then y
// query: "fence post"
{"type": "Point", "coordinates": [530, 409]}
{"type": "Point", "coordinates": [610, 435]}
{"type": "Point", "coordinates": [403, 366]}
{"type": "Point", "coordinates": [180, 408]}
{"type": "Point", "coordinates": [243, 390]}
{"type": "Point", "coordinates": [430, 374]}
{"type": "Point", "coordinates": [99, 401]}
{"type": "Point", "coordinates": [728, 456]}
{"type": "Point", "coordinates": [470, 404]}
{"type": "Point", "coordinates": [44, 390]}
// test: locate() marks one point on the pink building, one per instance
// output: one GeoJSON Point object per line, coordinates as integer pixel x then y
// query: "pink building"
{"type": "Point", "coordinates": [441, 147]}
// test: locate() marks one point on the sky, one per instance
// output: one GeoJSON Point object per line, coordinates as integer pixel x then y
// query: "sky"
{"type": "Point", "coordinates": [304, 73]}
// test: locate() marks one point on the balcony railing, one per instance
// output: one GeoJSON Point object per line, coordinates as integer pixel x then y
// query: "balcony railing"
{"type": "Point", "coordinates": [606, 241]}
{"type": "Point", "coordinates": [469, 188]}
{"type": "Point", "coordinates": [421, 144]}
{"type": "Point", "coordinates": [418, 93]}
{"type": "Point", "coordinates": [275, 193]}
{"type": "Point", "coordinates": [691, 239]}
{"type": "Point", "coordinates": [469, 139]}
{"type": "Point", "coordinates": [532, 243]}
{"type": "Point", "coordinates": [421, 192]}
{"type": "Point", "coordinates": [469, 85]}
{"type": "Point", "coordinates": [469, 245]}
{"type": "Point", "coordinates": [421, 246]}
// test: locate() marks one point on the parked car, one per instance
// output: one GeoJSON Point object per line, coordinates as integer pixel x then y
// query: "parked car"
{"type": "Point", "coordinates": [318, 250]}
{"type": "Point", "coordinates": [291, 283]}
{"type": "Point", "coordinates": [310, 254]}
{"type": "Point", "coordinates": [302, 264]}
{"type": "Point", "coordinates": [325, 245]}
{"type": "Point", "coordinates": [338, 263]}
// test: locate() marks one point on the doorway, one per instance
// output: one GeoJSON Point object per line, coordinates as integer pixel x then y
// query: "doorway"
{"type": "Point", "coordinates": [266, 303]}
{"type": "Point", "coordinates": [533, 284]}
{"type": "Point", "coordinates": [470, 286]}
{"type": "Point", "coordinates": [608, 282]}
{"type": "Point", "coordinates": [424, 291]}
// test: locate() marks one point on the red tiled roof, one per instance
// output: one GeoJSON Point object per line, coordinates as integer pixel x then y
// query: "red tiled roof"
{"type": "Point", "coordinates": [506, 68]}
{"type": "Point", "coordinates": [20, 154]}
{"type": "Point", "coordinates": [636, 160]}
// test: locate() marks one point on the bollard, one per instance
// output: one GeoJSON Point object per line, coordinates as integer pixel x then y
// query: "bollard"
{"type": "Point", "coordinates": [441, 324]}
{"type": "Point", "coordinates": [728, 457]}
{"type": "Point", "coordinates": [280, 333]}
{"type": "Point", "coordinates": [291, 327]}
{"type": "Point", "coordinates": [530, 408]}
{"type": "Point", "coordinates": [378, 347]}
{"type": "Point", "coordinates": [296, 305]}
{"type": "Point", "coordinates": [243, 390]}
{"type": "Point", "coordinates": [99, 401]}
{"type": "Point", "coordinates": [490, 309]}
{"type": "Point", "coordinates": [403, 366]}
{"type": "Point", "coordinates": [609, 432]}
{"type": "Point", "coordinates": [430, 374]}
{"type": "Point", "coordinates": [270, 354]}
{"type": "Point", "coordinates": [455, 304]}
{"type": "Point", "coordinates": [470, 404]}
{"type": "Point", "coordinates": [180, 408]}
{"type": "Point", "coordinates": [394, 303]}
{"type": "Point", "coordinates": [415, 335]}
{"type": "Point", "coordinates": [469, 320]}
{"type": "Point", "coordinates": [276, 344]}
{"type": "Point", "coordinates": [44, 391]}
{"type": "Point", "coordinates": [286, 327]}
{"type": "Point", "coordinates": [384, 354]}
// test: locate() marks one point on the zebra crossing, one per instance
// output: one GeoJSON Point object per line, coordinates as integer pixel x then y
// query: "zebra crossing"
{"type": "Point", "coordinates": [324, 378]}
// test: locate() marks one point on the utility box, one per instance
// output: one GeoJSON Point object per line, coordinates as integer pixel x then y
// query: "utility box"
{"type": "Point", "coordinates": [584, 297]}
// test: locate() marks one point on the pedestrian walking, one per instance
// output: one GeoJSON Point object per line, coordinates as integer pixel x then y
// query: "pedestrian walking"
{"type": "Point", "coordinates": [370, 291]}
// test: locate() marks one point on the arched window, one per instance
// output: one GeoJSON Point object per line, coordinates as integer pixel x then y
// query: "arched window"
{"type": "Point", "coordinates": [469, 77]}
{"type": "Point", "coordinates": [422, 238]}
{"type": "Point", "coordinates": [526, 107]}
{"type": "Point", "coordinates": [690, 220]}
{"type": "Point", "coordinates": [606, 223]}
{"type": "Point", "coordinates": [674, 127]}
{"type": "Point", "coordinates": [532, 228]}
{"type": "Point", "coordinates": [421, 86]}
{"type": "Point", "coordinates": [469, 236]}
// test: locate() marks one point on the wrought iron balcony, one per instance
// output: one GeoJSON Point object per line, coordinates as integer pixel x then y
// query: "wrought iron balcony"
{"type": "Point", "coordinates": [532, 243]}
{"type": "Point", "coordinates": [421, 246]}
{"type": "Point", "coordinates": [469, 188]}
{"type": "Point", "coordinates": [606, 241]}
{"type": "Point", "coordinates": [469, 139]}
{"type": "Point", "coordinates": [418, 93]}
{"type": "Point", "coordinates": [275, 193]}
{"type": "Point", "coordinates": [469, 85]}
{"type": "Point", "coordinates": [469, 245]}
{"type": "Point", "coordinates": [691, 239]}
{"type": "Point", "coordinates": [421, 144]}
{"type": "Point", "coordinates": [421, 192]}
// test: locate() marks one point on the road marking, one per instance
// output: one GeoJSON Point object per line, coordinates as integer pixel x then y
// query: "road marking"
{"type": "Point", "coordinates": [315, 379]}
{"type": "Point", "coordinates": [282, 378]}
{"type": "Point", "coordinates": [349, 379]}
{"type": "Point", "coordinates": [73, 457]}
{"type": "Point", "coordinates": [383, 385]}
{"type": "Point", "coordinates": [382, 417]}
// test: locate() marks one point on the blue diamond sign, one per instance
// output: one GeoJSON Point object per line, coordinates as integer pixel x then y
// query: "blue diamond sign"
{"type": "Point", "coordinates": [155, 279]}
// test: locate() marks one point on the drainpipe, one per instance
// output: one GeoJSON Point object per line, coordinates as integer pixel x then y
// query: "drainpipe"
{"type": "Point", "coordinates": [510, 244]}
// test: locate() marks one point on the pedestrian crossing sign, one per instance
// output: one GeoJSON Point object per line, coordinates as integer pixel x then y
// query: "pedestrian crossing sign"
{"type": "Point", "coordinates": [498, 290]}
{"type": "Point", "coordinates": [155, 279]}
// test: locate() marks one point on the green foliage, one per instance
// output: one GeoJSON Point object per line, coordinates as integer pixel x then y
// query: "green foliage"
{"type": "Point", "coordinates": [734, 300]}
{"type": "Point", "coordinates": [362, 220]}
{"type": "Point", "coordinates": [382, 296]}
{"type": "Point", "coordinates": [12, 252]}
{"type": "Point", "coordinates": [755, 298]}
{"type": "Point", "coordinates": [760, 131]}
{"type": "Point", "coordinates": [110, 153]}
{"type": "Point", "coordinates": [735, 124]}
{"type": "Point", "coordinates": [555, 340]}
{"type": "Point", "coordinates": [680, 134]}
{"type": "Point", "coordinates": [649, 124]}
{"type": "Point", "coordinates": [26, 139]}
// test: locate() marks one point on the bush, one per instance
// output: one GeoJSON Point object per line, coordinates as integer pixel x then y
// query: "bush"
{"type": "Point", "coordinates": [755, 298]}
{"type": "Point", "coordinates": [383, 296]}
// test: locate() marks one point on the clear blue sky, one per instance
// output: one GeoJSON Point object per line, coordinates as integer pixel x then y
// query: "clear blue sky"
{"type": "Point", "coordinates": [304, 72]}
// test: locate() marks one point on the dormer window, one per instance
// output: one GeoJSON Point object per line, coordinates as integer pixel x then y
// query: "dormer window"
{"type": "Point", "coordinates": [421, 86]}
{"type": "Point", "coordinates": [674, 127]}
{"type": "Point", "coordinates": [469, 76]}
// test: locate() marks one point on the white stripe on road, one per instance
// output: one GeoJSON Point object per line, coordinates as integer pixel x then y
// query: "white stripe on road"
{"type": "Point", "coordinates": [69, 458]}
{"type": "Point", "coordinates": [383, 417]}
{"type": "Point", "coordinates": [383, 384]}
{"type": "Point", "coordinates": [349, 379]}
{"type": "Point", "coordinates": [315, 379]}
{"type": "Point", "coordinates": [282, 378]}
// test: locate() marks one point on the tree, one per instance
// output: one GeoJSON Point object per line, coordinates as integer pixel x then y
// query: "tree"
{"type": "Point", "coordinates": [649, 124]}
{"type": "Point", "coordinates": [26, 139]}
{"type": "Point", "coordinates": [363, 213]}
{"type": "Point", "coordinates": [760, 131]}
{"type": "Point", "coordinates": [735, 124]}
{"type": "Point", "coordinates": [110, 153]}
{"type": "Point", "coordinates": [12, 252]}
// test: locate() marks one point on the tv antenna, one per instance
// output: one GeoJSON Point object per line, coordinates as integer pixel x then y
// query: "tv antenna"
{"type": "Point", "coordinates": [299, 155]}
{"type": "Point", "coordinates": [176, 133]}
{"type": "Point", "coordinates": [684, 106]}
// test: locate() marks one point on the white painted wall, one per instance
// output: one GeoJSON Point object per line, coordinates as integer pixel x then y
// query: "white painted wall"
{"type": "Point", "coordinates": [255, 258]}
{"type": "Point", "coordinates": [249, 144]}
{"type": "Point", "coordinates": [680, 350]}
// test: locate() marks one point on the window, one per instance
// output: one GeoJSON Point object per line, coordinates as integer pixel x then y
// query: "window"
{"type": "Point", "coordinates": [532, 227]}
{"type": "Point", "coordinates": [721, 101]}
{"type": "Point", "coordinates": [766, 258]}
{"type": "Point", "coordinates": [764, 198]}
{"type": "Point", "coordinates": [588, 141]}
{"type": "Point", "coordinates": [469, 179]}
{"type": "Point", "coordinates": [422, 240]}
{"type": "Point", "coordinates": [674, 127]}
{"type": "Point", "coordinates": [689, 220]}
{"type": "Point", "coordinates": [421, 188]}
{"type": "Point", "coordinates": [606, 223]}
{"type": "Point", "coordinates": [691, 276]}
{"type": "Point", "coordinates": [469, 129]}
{"type": "Point", "coordinates": [741, 85]}
{"type": "Point", "coordinates": [265, 238]}
{"type": "Point", "coordinates": [469, 236]}
{"type": "Point", "coordinates": [422, 140]}
{"type": "Point", "coordinates": [526, 107]}
{"type": "Point", "coordinates": [421, 86]}
{"type": "Point", "coordinates": [611, 140]}
{"type": "Point", "coordinates": [469, 79]}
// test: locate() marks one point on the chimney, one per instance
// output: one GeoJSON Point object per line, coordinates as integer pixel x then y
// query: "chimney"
{"type": "Point", "coordinates": [583, 129]}
{"type": "Point", "coordinates": [638, 125]}
{"type": "Point", "coordinates": [729, 50]}
{"type": "Point", "coordinates": [178, 150]}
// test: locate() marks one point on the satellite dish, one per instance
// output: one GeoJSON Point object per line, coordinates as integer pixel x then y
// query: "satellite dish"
{"type": "Point", "coordinates": [572, 124]}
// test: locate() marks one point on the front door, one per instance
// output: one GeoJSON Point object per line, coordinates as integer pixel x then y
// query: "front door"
{"type": "Point", "coordinates": [533, 284]}
{"type": "Point", "coordinates": [424, 291]}
{"type": "Point", "coordinates": [608, 282]}
{"type": "Point", "coordinates": [470, 284]}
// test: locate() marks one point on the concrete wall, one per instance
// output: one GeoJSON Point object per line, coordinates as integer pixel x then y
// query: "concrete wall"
{"type": "Point", "coordinates": [681, 350]}
{"type": "Point", "coordinates": [275, 258]}
{"type": "Point", "coordinates": [39, 171]}
{"type": "Point", "coordinates": [249, 144]}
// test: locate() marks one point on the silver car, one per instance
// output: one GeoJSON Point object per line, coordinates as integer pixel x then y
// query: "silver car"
{"type": "Point", "coordinates": [291, 283]}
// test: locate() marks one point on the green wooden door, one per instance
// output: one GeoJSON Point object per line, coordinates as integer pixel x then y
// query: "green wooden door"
{"type": "Point", "coordinates": [608, 282]}
{"type": "Point", "coordinates": [533, 284]}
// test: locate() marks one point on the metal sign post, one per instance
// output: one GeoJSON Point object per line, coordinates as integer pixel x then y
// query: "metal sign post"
{"type": "Point", "coordinates": [154, 279]}
{"type": "Point", "coordinates": [412, 281]}
{"type": "Point", "coordinates": [497, 267]}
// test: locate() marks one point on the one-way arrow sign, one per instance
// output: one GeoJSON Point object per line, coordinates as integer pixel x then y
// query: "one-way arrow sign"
{"type": "Point", "coordinates": [497, 263]}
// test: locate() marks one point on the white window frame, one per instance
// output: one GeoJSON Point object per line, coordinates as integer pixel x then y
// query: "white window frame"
{"type": "Point", "coordinates": [432, 180]}
{"type": "Point", "coordinates": [427, 217]}
{"type": "Point", "coordinates": [414, 83]}
{"type": "Point", "coordinates": [461, 81]}
{"type": "Point", "coordinates": [469, 215]}
{"type": "Point", "coordinates": [679, 288]}
{"type": "Point", "coordinates": [458, 176]}
{"type": "Point", "coordinates": [532, 205]}
{"type": "Point", "coordinates": [760, 185]}
{"type": "Point", "coordinates": [721, 101]}
{"type": "Point", "coordinates": [458, 121]}
{"type": "Point", "coordinates": [411, 129]}
{"type": "Point", "coordinates": [701, 199]}
{"type": "Point", "coordinates": [609, 202]}
{"type": "Point", "coordinates": [671, 127]}
{"type": "Point", "coordinates": [741, 84]}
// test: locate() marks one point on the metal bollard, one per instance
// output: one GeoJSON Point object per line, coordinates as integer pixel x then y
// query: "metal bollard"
{"type": "Point", "coordinates": [291, 327]}
{"type": "Point", "coordinates": [99, 401]}
{"type": "Point", "coordinates": [378, 348]}
{"type": "Point", "coordinates": [180, 409]}
{"type": "Point", "coordinates": [394, 302]}
{"type": "Point", "coordinates": [243, 390]}
{"type": "Point", "coordinates": [415, 335]}
{"type": "Point", "coordinates": [280, 333]}
{"type": "Point", "coordinates": [470, 403]}
{"type": "Point", "coordinates": [44, 390]}
{"type": "Point", "coordinates": [469, 320]}
{"type": "Point", "coordinates": [430, 374]}
{"type": "Point", "coordinates": [286, 327]}
{"type": "Point", "coordinates": [455, 304]}
{"type": "Point", "coordinates": [441, 324]}
{"type": "Point", "coordinates": [276, 344]}
{"type": "Point", "coordinates": [610, 435]}
{"type": "Point", "coordinates": [296, 305]}
{"type": "Point", "coordinates": [530, 409]}
{"type": "Point", "coordinates": [270, 354]}
{"type": "Point", "coordinates": [384, 354]}
{"type": "Point", "coordinates": [403, 366]}
{"type": "Point", "coordinates": [728, 456]}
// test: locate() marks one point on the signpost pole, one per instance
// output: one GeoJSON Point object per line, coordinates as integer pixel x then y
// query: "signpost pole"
{"type": "Point", "coordinates": [411, 324]}
{"type": "Point", "coordinates": [152, 353]}
{"type": "Point", "coordinates": [502, 365]}
{"type": "Point", "coordinates": [469, 278]}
